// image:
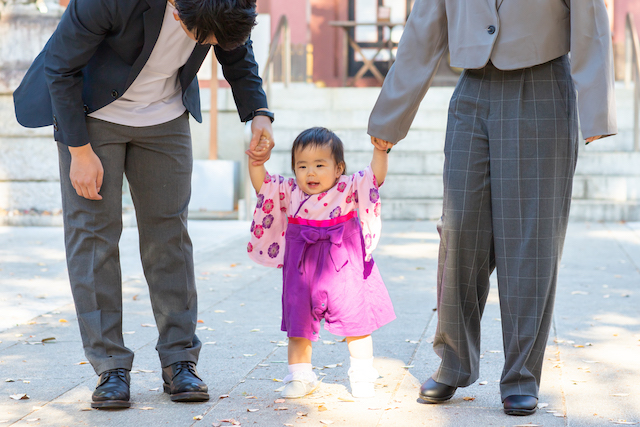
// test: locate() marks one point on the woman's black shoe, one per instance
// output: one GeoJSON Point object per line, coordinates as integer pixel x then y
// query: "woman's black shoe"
{"type": "Point", "coordinates": [520, 405]}
{"type": "Point", "coordinates": [434, 392]}
{"type": "Point", "coordinates": [112, 391]}
{"type": "Point", "coordinates": [182, 383]}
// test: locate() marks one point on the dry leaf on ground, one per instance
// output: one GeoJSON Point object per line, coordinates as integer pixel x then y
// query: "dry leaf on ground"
{"type": "Point", "coordinates": [322, 408]}
{"type": "Point", "coordinates": [22, 396]}
{"type": "Point", "coordinates": [326, 422]}
{"type": "Point", "coordinates": [279, 401]}
{"type": "Point", "coordinates": [469, 399]}
{"type": "Point", "coordinates": [252, 410]}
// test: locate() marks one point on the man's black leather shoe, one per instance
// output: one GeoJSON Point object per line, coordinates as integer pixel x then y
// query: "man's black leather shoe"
{"type": "Point", "coordinates": [520, 405]}
{"type": "Point", "coordinates": [112, 391]}
{"type": "Point", "coordinates": [434, 392]}
{"type": "Point", "coordinates": [183, 384]}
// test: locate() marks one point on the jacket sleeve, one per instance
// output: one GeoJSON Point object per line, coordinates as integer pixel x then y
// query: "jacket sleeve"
{"type": "Point", "coordinates": [240, 69]}
{"type": "Point", "coordinates": [421, 48]}
{"type": "Point", "coordinates": [82, 28]}
{"type": "Point", "coordinates": [592, 67]}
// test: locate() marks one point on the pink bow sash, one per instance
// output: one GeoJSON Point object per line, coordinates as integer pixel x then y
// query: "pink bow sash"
{"type": "Point", "coordinates": [333, 234]}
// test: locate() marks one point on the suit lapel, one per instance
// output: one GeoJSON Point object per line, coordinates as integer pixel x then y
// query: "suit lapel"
{"type": "Point", "coordinates": [190, 69]}
{"type": "Point", "coordinates": [152, 19]}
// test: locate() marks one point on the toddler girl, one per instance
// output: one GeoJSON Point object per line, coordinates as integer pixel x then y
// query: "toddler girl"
{"type": "Point", "coordinates": [321, 229]}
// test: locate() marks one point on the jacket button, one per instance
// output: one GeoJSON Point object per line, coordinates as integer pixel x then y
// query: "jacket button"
{"type": "Point", "coordinates": [491, 29]}
{"type": "Point", "coordinates": [114, 93]}
{"type": "Point", "coordinates": [55, 127]}
{"type": "Point", "coordinates": [85, 108]}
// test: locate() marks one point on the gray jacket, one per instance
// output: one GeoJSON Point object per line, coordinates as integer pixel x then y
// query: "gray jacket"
{"type": "Point", "coordinates": [513, 34]}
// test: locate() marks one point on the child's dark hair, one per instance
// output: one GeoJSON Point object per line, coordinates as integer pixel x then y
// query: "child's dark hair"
{"type": "Point", "coordinates": [319, 137]}
{"type": "Point", "coordinates": [230, 21]}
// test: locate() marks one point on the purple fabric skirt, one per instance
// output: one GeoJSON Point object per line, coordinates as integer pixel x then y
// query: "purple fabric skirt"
{"type": "Point", "coordinates": [326, 277]}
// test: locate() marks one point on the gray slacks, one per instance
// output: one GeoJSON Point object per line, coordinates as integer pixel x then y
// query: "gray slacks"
{"type": "Point", "coordinates": [157, 161]}
{"type": "Point", "coordinates": [510, 155]}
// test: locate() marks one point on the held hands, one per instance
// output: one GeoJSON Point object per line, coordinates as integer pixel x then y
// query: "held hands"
{"type": "Point", "coordinates": [261, 141]}
{"type": "Point", "coordinates": [592, 138]}
{"type": "Point", "coordinates": [381, 144]}
{"type": "Point", "coordinates": [86, 172]}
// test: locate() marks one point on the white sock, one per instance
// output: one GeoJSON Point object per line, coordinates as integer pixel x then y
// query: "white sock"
{"type": "Point", "coordinates": [360, 364]}
{"type": "Point", "coordinates": [300, 367]}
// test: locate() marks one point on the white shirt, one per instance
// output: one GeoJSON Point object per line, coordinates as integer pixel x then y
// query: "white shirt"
{"type": "Point", "coordinates": [155, 96]}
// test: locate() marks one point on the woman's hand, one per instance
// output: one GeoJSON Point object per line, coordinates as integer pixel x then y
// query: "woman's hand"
{"type": "Point", "coordinates": [381, 144]}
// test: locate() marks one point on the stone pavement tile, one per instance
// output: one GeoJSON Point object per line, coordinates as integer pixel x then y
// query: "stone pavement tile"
{"type": "Point", "coordinates": [597, 318]}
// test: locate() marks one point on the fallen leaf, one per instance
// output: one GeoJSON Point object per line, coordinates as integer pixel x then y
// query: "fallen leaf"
{"type": "Point", "coordinates": [30, 420]}
{"type": "Point", "coordinates": [200, 321]}
{"type": "Point", "coordinates": [626, 423]}
{"type": "Point", "coordinates": [249, 355]}
{"type": "Point", "coordinates": [345, 399]}
{"type": "Point", "coordinates": [620, 395]}
{"type": "Point", "coordinates": [326, 422]}
{"type": "Point", "coordinates": [146, 371]}
{"type": "Point", "coordinates": [198, 417]}
{"type": "Point", "coordinates": [287, 425]}
{"type": "Point", "coordinates": [219, 311]}
{"type": "Point", "coordinates": [201, 328]}
{"type": "Point", "coordinates": [483, 383]}
{"type": "Point", "coordinates": [129, 333]}
{"type": "Point", "coordinates": [154, 389]}
{"type": "Point", "coordinates": [22, 396]}
{"type": "Point", "coordinates": [148, 325]}
{"type": "Point", "coordinates": [579, 293]}
{"type": "Point", "coordinates": [135, 297]}
{"type": "Point", "coordinates": [277, 380]}
{"type": "Point", "coordinates": [228, 321]}
{"type": "Point", "coordinates": [335, 365]}
{"type": "Point", "coordinates": [495, 351]}
{"type": "Point", "coordinates": [328, 343]}
{"type": "Point", "coordinates": [279, 401]}
{"type": "Point", "coordinates": [44, 340]}
{"type": "Point", "coordinates": [302, 414]}
{"type": "Point", "coordinates": [322, 408]}
{"type": "Point", "coordinates": [542, 405]}
{"type": "Point", "coordinates": [408, 366]}
{"type": "Point", "coordinates": [84, 362]}
{"type": "Point", "coordinates": [86, 409]}
{"type": "Point", "coordinates": [209, 343]}
{"type": "Point", "coordinates": [223, 396]}
{"type": "Point", "coordinates": [255, 330]}
{"type": "Point", "coordinates": [146, 408]}
{"type": "Point", "coordinates": [469, 399]}
{"type": "Point", "coordinates": [341, 339]}
{"type": "Point", "coordinates": [63, 321]}
{"type": "Point", "coordinates": [252, 410]}
{"type": "Point", "coordinates": [216, 424]}
{"type": "Point", "coordinates": [250, 397]}
{"type": "Point", "coordinates": [9, 380]}
{"type": "Point", "coordinates": [280, 408]}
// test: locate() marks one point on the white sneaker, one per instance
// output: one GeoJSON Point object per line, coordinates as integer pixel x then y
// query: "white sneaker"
{"type": "Point", "coordinates": [299, 384]}
{"type": "Point", "coordinates": [361, 381]}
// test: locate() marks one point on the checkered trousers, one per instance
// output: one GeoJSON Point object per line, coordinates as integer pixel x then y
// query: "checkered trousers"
{"type": "Point", "coordinates": [510, 156]}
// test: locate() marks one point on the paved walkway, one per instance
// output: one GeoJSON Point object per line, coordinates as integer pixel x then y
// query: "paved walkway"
{"type": "Point", "coordinates": [591, 372]}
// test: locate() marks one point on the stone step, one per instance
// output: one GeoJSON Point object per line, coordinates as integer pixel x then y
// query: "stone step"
{"type": "Point", "coordinates": [581, 210]}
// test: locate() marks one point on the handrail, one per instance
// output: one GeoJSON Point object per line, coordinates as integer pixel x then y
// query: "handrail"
{"type": "Point", "coordinates": [632, 71]}
{"type": "Point", "coordinates": [282, 31]}
{"type": "Point", "coordinates": [267, 76]}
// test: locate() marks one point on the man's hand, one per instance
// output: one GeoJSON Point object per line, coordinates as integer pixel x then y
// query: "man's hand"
{"type": "Point", "coordinates": [381, 144]}
{"type": "Point", "coordinates": [261, 141]}
{"type": "Point", "coordinates": [86, 172]}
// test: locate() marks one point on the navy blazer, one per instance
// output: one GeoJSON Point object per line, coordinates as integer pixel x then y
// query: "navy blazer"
{"type": "Point", "coordinates": [98, 50]}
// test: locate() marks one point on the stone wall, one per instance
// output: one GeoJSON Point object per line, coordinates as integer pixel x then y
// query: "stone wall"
{"type": "Point", "coordinates": [29, 184]}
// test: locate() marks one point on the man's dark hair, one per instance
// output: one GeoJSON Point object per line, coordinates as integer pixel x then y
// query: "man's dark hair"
{"type": "Point", "coordinates": [230, 21]}
{"type": "Point", "coordinates": [319, 137]}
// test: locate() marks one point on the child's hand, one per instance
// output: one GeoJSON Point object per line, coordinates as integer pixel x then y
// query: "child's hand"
{"type": "Point", "coordinates": [261, 140]}
{"type": "Point", "coordinates": [381, 144]}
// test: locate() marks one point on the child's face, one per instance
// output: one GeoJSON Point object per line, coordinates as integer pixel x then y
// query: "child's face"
{"type": "Point", "coordinates": [316, 170]}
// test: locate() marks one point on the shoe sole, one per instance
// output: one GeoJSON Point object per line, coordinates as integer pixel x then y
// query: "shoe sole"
{"type": "Point", "coordinates": [111, 404]}
{"type": "Point", "coordinates": [434, 399]}
{"type": "Point", "coordinates": [187, 396]}
{"type": "Point", "coordinates": [521, 412]}
{"type": "Point", "coordinates": [307, 394]}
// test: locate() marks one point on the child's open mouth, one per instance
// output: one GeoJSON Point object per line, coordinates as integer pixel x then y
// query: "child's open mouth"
{"type": "Point", "coordinates": [312, 184]}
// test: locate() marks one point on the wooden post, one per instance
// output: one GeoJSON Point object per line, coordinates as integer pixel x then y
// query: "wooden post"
{"type": "Point", "coordinates": [213, 111]}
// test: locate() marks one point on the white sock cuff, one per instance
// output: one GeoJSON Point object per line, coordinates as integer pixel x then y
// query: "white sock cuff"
{"type": "Point", "coordinates": [296, 367]}
{"type": "Point", "coordinates": [361, 363]}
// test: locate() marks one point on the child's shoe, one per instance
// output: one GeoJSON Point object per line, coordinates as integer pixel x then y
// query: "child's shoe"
{"type": "Point", "coordinates": [299, 384]}
{"type": "Point", "coordinates": [362, 380]}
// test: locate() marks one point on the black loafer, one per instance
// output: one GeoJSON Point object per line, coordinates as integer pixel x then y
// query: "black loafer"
{"type": "Point", "coordinates": [183, 384]}
{"type": "Point", "coordinates": [434, 392]}
{"type": "Point", "coordinates": [112, 391]}
{"type": "Point", "coordinates": [520, 405]}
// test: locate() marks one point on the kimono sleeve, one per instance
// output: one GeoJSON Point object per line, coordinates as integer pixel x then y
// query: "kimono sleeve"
{"type": "Point", "coordinates": [266, 246]}
{"type": "Point", "coordinates": [367, 199]}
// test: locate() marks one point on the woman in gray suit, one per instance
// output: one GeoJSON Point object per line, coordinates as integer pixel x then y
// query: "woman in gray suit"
{"type": "Point", "coordinates": [510, 155]}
